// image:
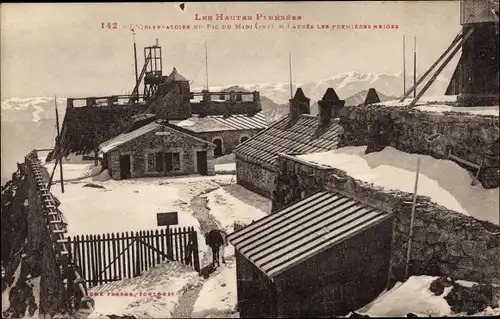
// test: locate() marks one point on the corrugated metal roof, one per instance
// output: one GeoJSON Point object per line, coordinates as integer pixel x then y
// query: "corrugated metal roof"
{"type": "Point", "coordinates": [303, 136]}
{"type": "Point", "coordinates": [288, 237]}
{"type": "Point", "coordinates": [214, 123]}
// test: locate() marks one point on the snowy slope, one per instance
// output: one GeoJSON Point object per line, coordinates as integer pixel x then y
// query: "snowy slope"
{"type": "Point", "coordinates": [445, 182]}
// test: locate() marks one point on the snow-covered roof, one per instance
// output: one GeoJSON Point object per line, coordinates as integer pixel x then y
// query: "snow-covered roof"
{"type": "Point", "coordinates": [301, 137]}
{"type": "Point", "coordinates": [215, 123]}
{"type": "Point", "coordinates": [442, 104]}
{"type": "Point", "coordinates": [288, 237]}
{"type": "Point", "coordinates": [126, 137]}
{"type": "Point", "coordinates": [113, 143]}
{"type": "Point", "coordinates": [444, 181]}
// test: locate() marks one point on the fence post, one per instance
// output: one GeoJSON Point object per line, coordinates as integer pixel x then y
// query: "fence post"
{"type": "Point", "coordinates": [196, 257]}
{"type": "Point", "coordinates": [170, 252]}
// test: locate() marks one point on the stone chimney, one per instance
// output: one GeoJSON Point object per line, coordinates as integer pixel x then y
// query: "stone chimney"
{"type": "Point", "coordinates": [69, 103]}
{"type": "Point", "coordinates": [205, 103]}
{"type": "Point", "coordinates": [371, 97]}
{"type": "Point", "coordinates": [300, 104]}
{"type": "Point", "coordinates": [329, 106]}
{"type": "Point", "coordinates": [256, 100]}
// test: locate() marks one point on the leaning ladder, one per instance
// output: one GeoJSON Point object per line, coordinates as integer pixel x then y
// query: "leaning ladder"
{"type": "Point", "coordinates": [468, 163]}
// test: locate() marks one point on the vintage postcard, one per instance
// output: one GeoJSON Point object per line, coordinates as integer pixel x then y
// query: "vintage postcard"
{"type": "Point", "coordinates": [250, 159]}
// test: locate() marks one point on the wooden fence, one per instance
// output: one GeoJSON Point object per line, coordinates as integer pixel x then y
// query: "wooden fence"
{"type": "Point", "coordinates": [111, 257]}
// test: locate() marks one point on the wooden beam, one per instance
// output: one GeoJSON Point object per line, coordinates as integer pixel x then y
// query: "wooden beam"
{"type": "Point", "coordinates": [412, 221]}
{"type": "Point", "coordinates": [457, 38]}
{"type": "Point", "coordinates": [438, 71]}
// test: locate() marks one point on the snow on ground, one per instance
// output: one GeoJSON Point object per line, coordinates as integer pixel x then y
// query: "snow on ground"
{"type": "Point", "coordinates": [411, 296]}
{"type": "Point", "coordinates": [35, 286]}
{"type": "Point", "coordinates": [218, 295]}
{"type": "Point", "coordinates": [73, 171]}
{"type": "Point", "coordinates": [185, 123]}
{"type": "Point", "coordinates": [443, 104]}
{"type": "Point", "coordinates": [444, 181]}
{"type": "Point", "coordinates": [154, 294]}
{"type": "Point", "coordinates": [228, 209]}
{"type": "Point", "coordinates": [128, 205]}
{"type": "Point", "coordinates": [6, 292]}
{"type": "Point", "coordinates": [225, 168]}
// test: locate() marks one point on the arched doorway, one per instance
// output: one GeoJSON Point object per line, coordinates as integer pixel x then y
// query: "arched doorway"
{"type": "Point", "coordinates": [218, 147]}
{"type": "Point", "coordinates": [243, 139]}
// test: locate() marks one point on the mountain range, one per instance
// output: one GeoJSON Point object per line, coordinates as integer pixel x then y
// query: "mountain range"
{"type": "Point", "coordinates": [29, 123]}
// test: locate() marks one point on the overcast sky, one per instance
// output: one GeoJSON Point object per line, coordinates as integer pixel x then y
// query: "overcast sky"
{"type": "Point", "coordinates": [61, 49]}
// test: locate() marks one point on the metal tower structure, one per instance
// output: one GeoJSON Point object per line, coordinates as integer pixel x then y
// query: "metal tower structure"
{"type": "Point", "coordinates": [153, 65]}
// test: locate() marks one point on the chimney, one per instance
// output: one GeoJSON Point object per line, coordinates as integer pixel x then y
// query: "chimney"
{"type": "Point", "coordinates": [329, 106]}
{"type": "Point", "coordinates": [299, 105]}
{"type": "Point", "coordinates": [371, 97]}
{"type": "Point", "coordinates": [69, 103]}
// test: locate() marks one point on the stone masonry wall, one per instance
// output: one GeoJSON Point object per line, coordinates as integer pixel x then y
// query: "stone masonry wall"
{"type": "Point", "coordinates": [445, 243]}
{"type": "Point", "coordinates": [470, 137]}
{"type": "Point", "coordinates": [218, 108]}
{"type": "Point", "coordinates": [256, 178]}
{"type": "Point", "coordinates": [230, 139]}
{"type": "Point", "coordinates": [151, 143]}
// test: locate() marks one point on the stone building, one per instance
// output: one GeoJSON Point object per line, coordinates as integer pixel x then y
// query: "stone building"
{"type": "Point", "coordinates": [298, 133]}
{"type": "Point", "coordinates": [336, 262]}
{"type": "Point", "coordinates": [157, 149]}
{"type": "Point", "coordinates": [226, 132]}
{"type": "Point", "coordinates": [226, 118]}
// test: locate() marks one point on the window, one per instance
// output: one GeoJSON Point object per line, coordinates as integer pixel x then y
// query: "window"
{"type": "Point", "coordinates": [176, 161]}
{"type": "Point", "coordinates": [160, 162]}
{"type": "Point", "coordinates": [243, 139]}
{"type": "Point", "coordinates": [155, 162]}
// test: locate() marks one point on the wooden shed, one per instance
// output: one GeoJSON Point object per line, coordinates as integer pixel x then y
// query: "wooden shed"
{"type": "Point", "coordinates": [325, 255]}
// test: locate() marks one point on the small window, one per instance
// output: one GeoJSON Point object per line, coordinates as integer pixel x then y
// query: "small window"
{"type": "Point", "coordinates": [172, 162]}
{"type": "Point", "coordinates": [159, 162]}
{"type": "Point", "coordinates": [155, 161]}
{"type": "Point", "coordinates": [176, 161]}
{"type": "Point", "coordinates": [151, 163]}
{"type": "Point", "coordinates": [243, 139]}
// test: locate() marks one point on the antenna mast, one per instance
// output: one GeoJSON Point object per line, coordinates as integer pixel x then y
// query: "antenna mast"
{"type": "Point", "coordinates": [404, 66]}
{"type": "Point", "coordinates": [290, 68]}
{"type": "Point", "coordinates": [206, 63]}
{"type": "Point", "coordinates": [414, 65]}
{"type": "Point", "coordinates": [135, 65]}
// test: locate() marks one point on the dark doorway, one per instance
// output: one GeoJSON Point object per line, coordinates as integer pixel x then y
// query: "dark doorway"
{"type": "Point", "coordinates": [218, 147]}
{"type": "Point", "coordinates": [201, 160]}
{"type": "Point", "coordinates": [125, 166]}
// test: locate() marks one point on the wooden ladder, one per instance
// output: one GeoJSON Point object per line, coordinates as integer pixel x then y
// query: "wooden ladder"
{"type": "Point", "coordinates": [470, 164]}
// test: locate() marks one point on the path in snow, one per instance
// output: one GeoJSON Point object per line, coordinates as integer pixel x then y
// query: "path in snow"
{"type": "Point", "coordinates": [207, 222]}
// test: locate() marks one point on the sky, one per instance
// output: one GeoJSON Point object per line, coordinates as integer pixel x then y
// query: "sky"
{"type": "Point", "coordinates": [62, 49]}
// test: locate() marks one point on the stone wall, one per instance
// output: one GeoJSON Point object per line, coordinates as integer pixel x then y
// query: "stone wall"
{"type": "Point", "coordinates": [219, 108]}
{"type": "Point", "coordinates": [473, 138]}
{"type": "Point", "coordinates": [445, 243]}
{"type": "Point", "coordinates": [230, 139]}
{"type": "Point", "coordinates": [84, 128]}
{"type": "Point", "coordinates": [139, 147]}
{"type": "Point", "coordinates": [172, 102]}
{"type": "Point", "coordinates": [34, 277]}
{"type": "Point", "coordinates": [255, 177]}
